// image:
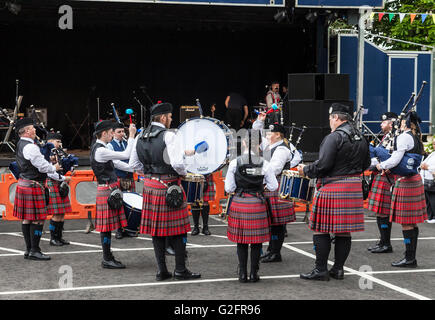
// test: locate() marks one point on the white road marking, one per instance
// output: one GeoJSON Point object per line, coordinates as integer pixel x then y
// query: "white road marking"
{"type": "Point", "coordinates": [169, 283]}
{"type": "Point", "coordinates": [12, 250]}
{"type": "Point", "coordinates": [365, 275]}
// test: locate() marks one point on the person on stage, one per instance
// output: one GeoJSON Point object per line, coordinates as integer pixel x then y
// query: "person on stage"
{"type": "Point", "coordinates": [108, 217]}
{"type": "Point", "coordinates": [338, 202]}
{"type": "Point", "coordinates": [59, 203]}
{"type": "Point", "coordinates": [31, 198]}
{"type": "Point", "coordinates": [248, 212]}
{"type": "Point", "coordinates": [282, 155]}
{"type": "Point", "coordinates": [157, 154]}
{"type": "Point", "coordinates": [204, 210]}
{"type": "Point", "coordinates": [122, 169]}
{"type": "Point", "coordinates": [237, 111]}
{"type": "Point", "coordinates": [380, 193]}
{"type": "Point", "coordinates": [273, 97]}
{"type": "Point", "coordinates": [408, 204]}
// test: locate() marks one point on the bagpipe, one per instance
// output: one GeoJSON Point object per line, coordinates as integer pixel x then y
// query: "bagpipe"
{"type": "Point", "coordinates": [410, 161]}
{"type": "Point", "coordinates": [67, 161]}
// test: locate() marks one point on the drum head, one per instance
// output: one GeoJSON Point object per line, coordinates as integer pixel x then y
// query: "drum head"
{"type": "Point", "coordinates": [216, 135]}
{"type": "Point", "coordinates": [133, 199]}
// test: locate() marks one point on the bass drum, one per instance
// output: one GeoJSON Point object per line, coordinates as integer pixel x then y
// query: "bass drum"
{"type": "Point", "coordinates": [218, 137]}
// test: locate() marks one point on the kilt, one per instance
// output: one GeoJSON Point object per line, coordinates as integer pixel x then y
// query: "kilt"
{"type": "Point", "coordinates": [29, 203]}
{"type": "Point", "coordinates": [157, 218]}
{"type": "Point", "coordinates": [107, 219]}
{"type": "Point", "coordinates": [408, 204]}
{"type": "Point", "coordinates": [132, 185]}
{"type": "Point", "coordinates": [338, 205]}
{"type": "Point", "coordinates": [210, 193]}
{"type": "Point", "coordinates": [248, 221]}
{"type": "Point", "coordinates": [57, 204]}
{"type": "Point", "coordinates": [380, 195]}
{"type": "Point", "coordinates": [283, 212]}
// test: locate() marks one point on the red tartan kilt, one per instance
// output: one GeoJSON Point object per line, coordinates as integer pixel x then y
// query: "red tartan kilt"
{"type": "Point", "coordinates": [408, 204]}
{"type": "Point", "coordinates": [157, 218]}
{"type": "Point", "coordinates": [247, 220]}
{"type": "Point", "coordinates": [283, 212]}
{"type": "Point", "coordinates": [107, 219]}
{"type": "Point", "coordinates": [210, 193]}
{"type": "Point", "coordinates": [338, 205]}
{"type": "Point", "coordinates": [380, 195]}
{"type": "Point", "coordinates": [57, 204]}
{"type": "Point", "coordinates": [29, 203]}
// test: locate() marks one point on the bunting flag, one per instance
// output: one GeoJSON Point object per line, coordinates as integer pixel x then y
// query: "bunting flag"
{"type": "Point", "coordinates": [412, 17]}
{"type": "Point", "coordinates": [401, 16]}
{"type": "Point", "coordinates": [423, 17]}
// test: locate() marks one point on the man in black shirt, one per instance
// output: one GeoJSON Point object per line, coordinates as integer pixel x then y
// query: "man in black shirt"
{"type": "Point", "coordinates": [237, 111]}
{"type": "Point", "coordinates": [338, 203]}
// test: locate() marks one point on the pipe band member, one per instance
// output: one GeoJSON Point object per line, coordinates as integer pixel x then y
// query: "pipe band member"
{"type": "Point", "coordinates": [204, 210]}
{"type": "Point", "coordinates": [58, 204]}
{"type": "Point", "coordinates": [31, 198]}
{"type": "Point", "coordinates": [282, 155]}
{"type": "Point", "coordinates": [380, 193]}
{"type": "Point", "coordinates": [122, 169]}
{"type": "Point", "coordinates": [108, 218]}
{"type": "Point", "coordinates": [248, 212]}
{"type": "Point", "coordinates": [427, 175]}
{"type": "Point", "coordinates": [338, 202]}
{"type": "Point", "coordinates": [157, 154]}
{"type": "Point", "coordinates": [408, 204]}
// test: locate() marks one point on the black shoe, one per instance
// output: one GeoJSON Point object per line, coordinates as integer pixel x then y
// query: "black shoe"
{"type": "Point", "coordinates": [26, 254]}
{"type": "Point", "coordinates": [243, 277]}
{"type": "Point", "coordinates": [195, 231]}
{"type": "Point", "coordinates": [382, 249]}
{"type": "Point", "coordinates": [170, 251]}
{"type": "Point", "coordinates": [405, 264]}
{"type": "Point", "coordinates": [186, 275]}
{"type": "Point", "coordinates": [119, 234]}
{"type": "Point", "coordinates": [56, 243]}
{"type": "Point", "coordinates": [254, 277]}
{"type": "Point", "coordinates": [374, 246]}
{"type": "Point", "coordinates": [205, 231]}
{"type": "Point", "coordinates": [112, 264]}
{"type": "Point", "coordinates": [316, 275]}
{"type": "Point", "coordinates": [163, 275]}
{"type": "Point", "coordinates": [38, 256]}
{"type": "Point", "coordinates": [266, 254]}
{"type": "Point", "coordinates": [129, 234]}
{"type": "Point", "coordinates": [65, 243]}
{"type": "Point", "coordinates": [273, 257]}
{"type": "Point", "coordinates": [336, 274]}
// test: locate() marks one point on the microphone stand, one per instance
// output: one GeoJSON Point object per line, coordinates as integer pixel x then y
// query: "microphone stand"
{"type": "Point", "coordinates": [143, 110]}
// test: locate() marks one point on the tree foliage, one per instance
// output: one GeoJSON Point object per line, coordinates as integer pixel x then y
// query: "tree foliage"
{"type": "Point", "coordinates": [418, 32]}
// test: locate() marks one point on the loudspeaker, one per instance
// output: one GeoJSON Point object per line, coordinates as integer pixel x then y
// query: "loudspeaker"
{"type": "Point", "coordinates": [314, 115]}
{"type": "Point", "coordinates": [304, 86]}
{"type": "Point", "coordinates": [335, 86]}
{"type": "Point", "coordinates": [187, 112]}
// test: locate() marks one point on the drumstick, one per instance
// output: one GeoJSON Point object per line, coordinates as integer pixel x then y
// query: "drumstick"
{"type": "Point", "coordinates": [129, 112]}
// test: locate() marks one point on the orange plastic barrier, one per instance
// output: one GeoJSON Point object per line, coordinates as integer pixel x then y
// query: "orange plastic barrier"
{"type": "Point", "coordinates": [79, 210]}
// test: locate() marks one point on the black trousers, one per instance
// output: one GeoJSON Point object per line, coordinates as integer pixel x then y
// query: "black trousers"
{"type": "Point", "coordinates": [430, 202]}
{"type": "Point", "coordinates": [233, 118]}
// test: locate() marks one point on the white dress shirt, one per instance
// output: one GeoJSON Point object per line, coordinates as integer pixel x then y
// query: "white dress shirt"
{"type": "Point", "coordinates": [405, 142]}
{"type": "Point", "coordinates": [104, 155]}
{"type": "Point", "coordinates": [175, 153]}
{"type": "Point", "coordinates": [33, 153]}
{"type": "Point", "coordinates": [120, 165]}
{"type": "Point", "coordinates": [267, 171]}
{"type": "Point", "coordinates": [430, 161]}
{"type": "Point", "coordinates": [282, 154]}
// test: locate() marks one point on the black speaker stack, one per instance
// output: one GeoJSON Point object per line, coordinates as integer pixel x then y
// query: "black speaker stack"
{"type": "Point", "coordinates": [310, 96]}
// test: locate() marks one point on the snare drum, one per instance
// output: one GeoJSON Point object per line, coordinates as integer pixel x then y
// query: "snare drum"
{"type": "Point", "coordinates": [218, 137]}
{"type": "Point", "coordinates": [193, 185]}
{"type": "Point", "coordinates": [293, 187]}
{"type": "Point", "coordinates": [133, 203]}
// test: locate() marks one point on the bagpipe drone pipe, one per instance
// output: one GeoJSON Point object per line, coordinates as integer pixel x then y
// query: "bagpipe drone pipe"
{"type": "Point", "coordinates": [406, 167]}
